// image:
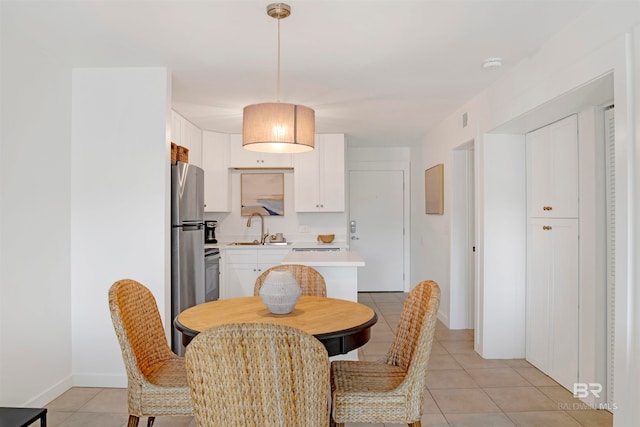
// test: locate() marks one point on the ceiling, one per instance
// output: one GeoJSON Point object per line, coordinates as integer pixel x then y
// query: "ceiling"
{"type": "Point", "coordinates": [382, 72]}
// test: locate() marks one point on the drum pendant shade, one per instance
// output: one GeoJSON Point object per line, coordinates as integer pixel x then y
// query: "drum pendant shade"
{"type": "Point", "coordinates": [278, 128]}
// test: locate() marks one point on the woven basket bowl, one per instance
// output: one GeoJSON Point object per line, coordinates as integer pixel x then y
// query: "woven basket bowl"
{"type": "Point", "coordinates": [326, 238]}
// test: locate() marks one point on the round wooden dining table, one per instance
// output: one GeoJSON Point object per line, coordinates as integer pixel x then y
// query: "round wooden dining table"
{"type": "Point", "coordinates": [340, 325]}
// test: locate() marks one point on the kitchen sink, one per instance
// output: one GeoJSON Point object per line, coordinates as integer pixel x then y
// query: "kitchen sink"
{"type": "Point", "coordinates": [278, 243]}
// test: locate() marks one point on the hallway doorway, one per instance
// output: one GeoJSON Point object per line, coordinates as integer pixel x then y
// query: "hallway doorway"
{"type": "Point", "coordinates": [463, 260]}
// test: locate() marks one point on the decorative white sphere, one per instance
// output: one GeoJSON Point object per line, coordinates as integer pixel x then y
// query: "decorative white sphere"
{"type": "Point", "coordinates": [280, 291]}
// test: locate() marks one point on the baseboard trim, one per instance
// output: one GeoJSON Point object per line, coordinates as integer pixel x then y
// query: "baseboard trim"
{"type": "Point", "coordinates": [443, 318]}
{"type": "Point", "coordinates": [42, 399]}
{"type": "Point", "coordinates": [99, 380]}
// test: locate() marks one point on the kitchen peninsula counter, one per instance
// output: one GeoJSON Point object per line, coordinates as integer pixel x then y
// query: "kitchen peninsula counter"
{"type": "Point", "coordinates": [324, 258]}
{"type": "Point", "coordinates": [339, 269]}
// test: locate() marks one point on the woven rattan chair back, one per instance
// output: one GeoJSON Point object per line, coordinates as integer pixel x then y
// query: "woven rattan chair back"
{"type": "Point", "coordinates": [157, 383]}
{"type": "Point", "coordinates": [258, 374]}
{"type": "Point", "coordinates": [415, 327]}
{"type": "Point", "coordinates": [392, 390]}
{"type": "Point", "coordinates": [311, 282]}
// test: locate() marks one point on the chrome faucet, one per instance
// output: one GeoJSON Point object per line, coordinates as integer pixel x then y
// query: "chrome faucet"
{"type": "Point", "coordinates": [263, 235]}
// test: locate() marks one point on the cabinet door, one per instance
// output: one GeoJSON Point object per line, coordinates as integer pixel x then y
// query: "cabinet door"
{"type": "Point", "coordinates": [539, 281]}
{"type": "Point", "coordinates": [306, 176]}
{"type": "Point", "coordinates": [552, 166]}
{"type": "Point", "coordinates": [331, 177]}
{"type": "Point", "coordinates": [319, 176]}
{"type": "Point", "coordinates": [215, 158]}
{"type": "Point", "coordinates": [188, 135]}
{"type": "Point", "coordinates": [271, 256]}
{"type": "Point", "coordinates": [239, 280]}
{"type": "Point", "coordinates": [176, 128]}
{"type": "Point", "coordinates": [563, 363]}
{"type": "Point", "coordinates": [194, 138]}
{"type": "Point", "coordinates": [552, 298]}
{"type": "Point", "coordinates": [241, 158]}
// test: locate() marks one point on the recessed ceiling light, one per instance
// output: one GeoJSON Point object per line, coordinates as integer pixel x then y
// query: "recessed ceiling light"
{"type": "Point", "coordinates": [492, 62]}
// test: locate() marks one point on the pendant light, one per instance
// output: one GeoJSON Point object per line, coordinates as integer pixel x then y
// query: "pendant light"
{"type": "Point", "coordinates": [277, 127]}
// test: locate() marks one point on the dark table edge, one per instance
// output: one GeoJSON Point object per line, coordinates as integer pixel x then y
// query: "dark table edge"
{"type": "Point", "coordinates": [338, 342]}
{"type": "Point", "coordinates": [38, 414]}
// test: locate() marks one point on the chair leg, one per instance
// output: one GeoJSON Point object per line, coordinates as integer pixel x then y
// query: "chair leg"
{"type": "Point", "coordinates": [133, 421]}
{"type": "Point", "coordinates": [415, 424]}
{"type": "Point", "coordinates": [150, 421]}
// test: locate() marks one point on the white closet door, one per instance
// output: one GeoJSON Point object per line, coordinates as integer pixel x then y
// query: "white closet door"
{"type": "Point", "coordinates": [553, 251]}
{"type": "Point", "coordinates": [563, 354]}
{"type": "Point", "coordinates": [552, 165]}
{"type": "Point", "coordinates": [552, 298]}
{"type": "Point", "coordinates": [539, 281]}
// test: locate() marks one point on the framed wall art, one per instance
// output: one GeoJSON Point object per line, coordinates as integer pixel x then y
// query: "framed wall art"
{"type": "Point", "coordinates": [434, 189]}
{"type": "Point", "coordinates": [262, 193]}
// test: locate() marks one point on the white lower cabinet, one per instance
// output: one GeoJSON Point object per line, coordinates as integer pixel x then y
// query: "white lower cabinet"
{"type": "Point", "coordinates": [552, 298]}
{"type": "Point", "coordinates": [241, 267]}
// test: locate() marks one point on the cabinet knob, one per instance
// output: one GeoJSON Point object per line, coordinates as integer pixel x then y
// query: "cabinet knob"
{"type": "Point", "coordinates": [317, 206]}
{"type": "Point", "coordinates": [322, 206]}
{"type": "Point", "coordinates": [547, 208]}
{"type": "Point", "coordinates": [546, 227]}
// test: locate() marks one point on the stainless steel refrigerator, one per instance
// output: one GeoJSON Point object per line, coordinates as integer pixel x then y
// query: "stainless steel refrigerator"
{"type": "Point", "coordinates": [187, 242]}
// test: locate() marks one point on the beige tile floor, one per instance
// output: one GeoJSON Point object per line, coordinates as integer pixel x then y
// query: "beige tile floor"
{"type": "Point", "coordinates": [462, 388]}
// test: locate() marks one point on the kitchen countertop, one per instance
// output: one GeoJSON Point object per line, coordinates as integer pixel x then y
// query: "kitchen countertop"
{"type": "Point", "coordinates": [291, 245]}
{"type": "Point", "coordinates": [325, 259]}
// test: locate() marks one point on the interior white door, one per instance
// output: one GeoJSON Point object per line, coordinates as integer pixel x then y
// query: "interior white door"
{"type": "Point", "coordinates": [376, 209]}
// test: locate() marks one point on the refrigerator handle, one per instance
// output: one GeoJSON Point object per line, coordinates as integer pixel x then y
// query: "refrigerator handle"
{"type": "Point", "coordinates": [190, 227]}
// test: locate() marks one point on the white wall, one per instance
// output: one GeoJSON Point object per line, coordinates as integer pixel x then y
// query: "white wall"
{"type": "Point", "coordinates": [119, 210]}
{"type": "Point", "coordinates": [38, 359]}
{"type": "Point", "coordinates": [35, 290]}
{"type": "Point", "coordinates": [502, 201]}
{"type": "Point", "coordinates": [596, 44]}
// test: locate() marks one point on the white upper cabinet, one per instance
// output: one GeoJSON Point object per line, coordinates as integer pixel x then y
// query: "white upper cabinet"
{"type": "Point", "coordinates": [215, 162]}
{"type": "Point", "coordinates": [241, 158]}
{"type": "Point", "coordinates": [319, 176]}
{"type": "Point", "coordinates": [552, 165]}
{"type": "Point", "coordinates": [176, 127]}
{"type": "Point", "coordinates": [188, 135]}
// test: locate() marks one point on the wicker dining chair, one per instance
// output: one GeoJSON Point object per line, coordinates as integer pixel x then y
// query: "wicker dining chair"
{"type": "Point", "coordinates": [391, 390]}
{"type": "Point", "coordinates": [311, 282]}
{"type": "Point", "coordinates": [258, 375]}
{"type": "Point", "coordinates": [157, 379]}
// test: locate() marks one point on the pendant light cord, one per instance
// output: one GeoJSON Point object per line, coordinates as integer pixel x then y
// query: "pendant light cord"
{"type": "Point", "coordinates": [278, 95]}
